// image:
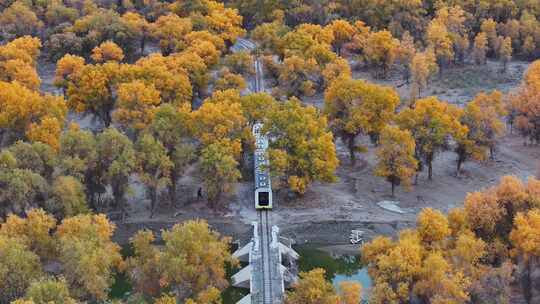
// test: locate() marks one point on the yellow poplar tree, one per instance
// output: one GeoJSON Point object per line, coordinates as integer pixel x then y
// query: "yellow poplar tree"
{"type": "Point", "coordinates": [438, 38]}
{"type": "Point", "coordinates": [432, 124]}
{"type": "Point", "coordinates": [170, 31]}
{"type": "Point", "coordinates": [136, 105]}
{"type": "Point", "coordinates": [422, 67]}
{"type": "Point", "coordinates": [381, 50]}
{"type": "Point", "coordinates": [343, 32]}
{"type": "Point", "coordinates": [107, 51]}
{"type": "Point", "coordinates": [88, 255]}
{"type": "Point", "coordinates": [480, 48]}
{"type": "Point", "coordinates": [66, 67]}
{"type": "Point", "coordinates": [356, 107]}
{"type": "Point", "coordinates": [395, 156]}
{"type": "Point", "coordinates": [312, 288]}
{"type": "Point", "coordinates": [302, 149]}
{"type": "Point", "coordinates": [505, 52]}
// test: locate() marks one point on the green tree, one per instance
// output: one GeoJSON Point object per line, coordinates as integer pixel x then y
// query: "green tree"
{"type": "Point", "coordinates": [20, 267]}
{"type": "Point", "coordinates": [78, 157]}
{"type": "Point", "coordinates": [21, 189]}
{"type": "Point", "coordinates": [102, 25]}
{"type": "Point", "coordinates": [219, 169]}
{"type": "Point", "coordinates": [117, 159]}
{"type": "Point", "coordinates": [19, 20]}
{"type": "Point", "coordinates": [154, 167]}
{"type": "Point", "coordinates": [58, 13]}
{"type": "Point", "coordinates": [37, 157]}
{"type": "Point", "coordinates": [49, 290]}
{"type": "Point", "coordinates": [143, 268]}
{"type": "Point", "coordinates": [268, 36]}
{"type": "Point", "coordinates": [173, 128]}
{"type": "Point", "coordinates": [67, 197]}
{"type": "Point", "coordinates": [204, 256]}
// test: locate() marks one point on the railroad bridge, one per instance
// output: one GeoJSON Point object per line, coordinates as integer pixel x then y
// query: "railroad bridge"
{"type": "Point", "coordinates": [271, 264]}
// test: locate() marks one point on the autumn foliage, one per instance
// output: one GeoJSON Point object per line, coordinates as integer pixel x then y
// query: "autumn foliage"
{"type": "Point", "coordinates": [170, 99]}
{"type": "Point", "coordinates": [455, 258]}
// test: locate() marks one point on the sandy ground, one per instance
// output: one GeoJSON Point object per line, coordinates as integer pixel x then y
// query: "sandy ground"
{"type": "Point", "coordinates": [327, 212]}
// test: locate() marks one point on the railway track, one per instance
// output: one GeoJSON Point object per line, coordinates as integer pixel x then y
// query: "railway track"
{"type": "Point", "coordinates": [266, 235]}
{"type": "Point", "coordinates": [265, 227]}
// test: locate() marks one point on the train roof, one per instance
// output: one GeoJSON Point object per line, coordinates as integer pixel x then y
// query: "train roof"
{"type": "Point", "coordinates": [261, 162]}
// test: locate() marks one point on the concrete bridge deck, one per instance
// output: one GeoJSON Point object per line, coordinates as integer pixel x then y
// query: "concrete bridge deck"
{"type": "Point", "coordinates": [265, 276]}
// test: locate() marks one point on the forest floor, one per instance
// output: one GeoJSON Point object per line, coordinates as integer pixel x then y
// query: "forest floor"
{"type": "Point", "coordinates": [327, 212]}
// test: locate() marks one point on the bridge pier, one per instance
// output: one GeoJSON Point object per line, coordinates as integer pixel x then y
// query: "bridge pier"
{"type": "Point", "coordinates": [253, 276]}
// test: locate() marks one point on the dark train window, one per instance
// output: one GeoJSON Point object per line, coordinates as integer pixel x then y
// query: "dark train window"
{"type": "Point", "coordinates": [264, 199]}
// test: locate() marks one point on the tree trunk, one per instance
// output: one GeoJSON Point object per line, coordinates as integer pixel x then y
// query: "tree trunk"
{"type": "Point", "coordinates": [142, 45]}
{"type": "Point", "coordinates": [429, 160]}
{"type": "Point", "coordinates": [153, 200]}
{"type": "Point", "coordinates": [118, 195]}
{"type": "Point", "coordinates": [107, 119]}
{"type": "Point", "coordinates": [430, 170]}
{"type": "Point", "coordinates": [459, 164]}
{"type": "Point", "coordinates": [213, 201]}
{"type": "Point", "coordinates": [173, 187]}
{"type": "Point", "coordinates": [393, 188]}
{"type": "Point", "coordinates": [351, 147]}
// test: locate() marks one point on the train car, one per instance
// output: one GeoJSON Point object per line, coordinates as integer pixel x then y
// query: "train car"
{"type": "Point", "coordinates": [263, 186]}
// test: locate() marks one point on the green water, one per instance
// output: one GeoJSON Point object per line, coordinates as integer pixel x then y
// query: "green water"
{"type": "Point", "coordinates": [348, 268]}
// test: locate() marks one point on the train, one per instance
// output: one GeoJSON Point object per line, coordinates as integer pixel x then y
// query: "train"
{"type": "Point", "coordinates": [263, 185]}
